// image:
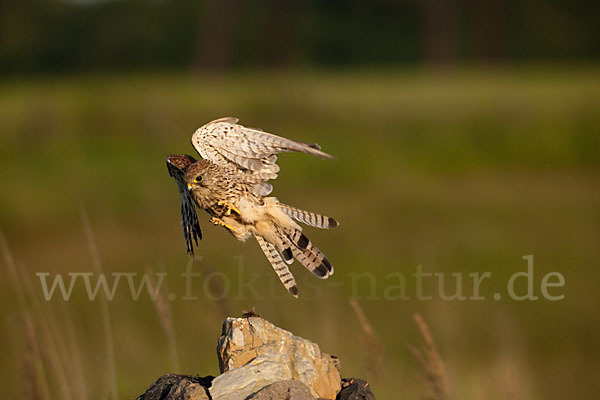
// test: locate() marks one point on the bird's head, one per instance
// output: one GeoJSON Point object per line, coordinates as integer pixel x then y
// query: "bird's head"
{"type": "Point", "coordinates": [199, 175]}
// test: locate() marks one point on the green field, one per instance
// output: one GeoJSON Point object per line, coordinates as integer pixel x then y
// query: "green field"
{"type": "Point", "coordinates": [458, 171]}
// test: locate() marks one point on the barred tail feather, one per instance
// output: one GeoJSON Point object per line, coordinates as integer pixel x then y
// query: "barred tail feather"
{"type": "Point", "coordinates": [309, 255]}
{"type": "Point", "coordinates": [280, 267]}
{"type": "Point", "coordinates": [284, 247]}
{"type": "Point", "coordinates": [309, 218]}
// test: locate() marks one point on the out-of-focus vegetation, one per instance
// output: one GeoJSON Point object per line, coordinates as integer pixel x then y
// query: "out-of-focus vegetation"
{"type": "Point", "coordinates": [467, 136]}
{"type": "Point", "coordinates": [459, 171]}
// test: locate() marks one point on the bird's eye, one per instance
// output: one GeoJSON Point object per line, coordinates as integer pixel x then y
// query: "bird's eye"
{"type": "Point", "coordinates": [199, 178]}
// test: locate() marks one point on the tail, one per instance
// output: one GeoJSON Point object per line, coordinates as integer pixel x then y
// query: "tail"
{"type": "Point", "coordinates": [309, 218]}
{"type": "Point", "coordinates": [177, 165]}
{"type": "Point", "coordinates": [280, 267]}
{"type": "Point", "coordinates": [308, 255]}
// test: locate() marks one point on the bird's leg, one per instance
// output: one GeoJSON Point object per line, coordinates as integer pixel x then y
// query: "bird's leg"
{"type": "Point", "coordinates": [220, 222]}
{"type": "Point", "coordinates": [228, 207]}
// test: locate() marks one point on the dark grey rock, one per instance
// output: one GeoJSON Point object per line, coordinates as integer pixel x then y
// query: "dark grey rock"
{"type": "Point", "coordinates": [355, 389]}
{"type": "Point", "coordinates": [178, 387]}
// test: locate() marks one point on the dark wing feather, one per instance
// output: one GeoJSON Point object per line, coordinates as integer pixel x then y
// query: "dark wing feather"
{"type": "Point", "coordinates": [177, 164]}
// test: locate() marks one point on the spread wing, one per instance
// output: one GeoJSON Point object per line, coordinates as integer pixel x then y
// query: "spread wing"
{"type": "Point", "coordinates": [177, 164]}
{"type": "Point", "coordinates": [249, 150]}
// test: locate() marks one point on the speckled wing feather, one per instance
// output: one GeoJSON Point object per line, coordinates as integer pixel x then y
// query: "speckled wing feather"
{"type": "Point", "coordinates": [251, 151]}
{"type": "Point", "coordinates": [177, 165]}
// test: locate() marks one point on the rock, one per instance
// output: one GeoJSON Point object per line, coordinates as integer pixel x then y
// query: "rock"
{"type": "Point", "coordinates": [186, 390]}
{"type": "Point", "coordinates": [355, 389]}
{"type": "Point", "coordinates": [284, 390]}
{"type": "Point", "coordinates": [259, 361]}
{"type": "Point", "coordinates": [178, 387]}
{"type": "Point", "coordinates": [239, 383]}
{"type": "Point", "coordinates": [254, 348]}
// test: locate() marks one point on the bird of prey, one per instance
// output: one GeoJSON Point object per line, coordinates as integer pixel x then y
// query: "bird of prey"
{"type": "Point", "coordinates": [230, 182]}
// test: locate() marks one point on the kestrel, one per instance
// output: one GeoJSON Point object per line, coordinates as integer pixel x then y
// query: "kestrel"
{"type": "Point", "coordinates": [230, 182]}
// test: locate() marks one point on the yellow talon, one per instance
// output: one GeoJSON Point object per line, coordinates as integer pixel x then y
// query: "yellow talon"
{"type": "Point", "coordinates": [219, 222]}
{"type": "Point", "coordinates": [230, 207]}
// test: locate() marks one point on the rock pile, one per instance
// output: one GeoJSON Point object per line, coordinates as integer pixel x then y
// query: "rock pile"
{"type": "Point", "coordinates": [260, 361]}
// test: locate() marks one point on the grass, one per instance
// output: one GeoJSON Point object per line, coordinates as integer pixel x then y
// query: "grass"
{"type": "Point", "coordinates": [430, 362]}
{"type": "Point", "coordinates": [465, 171]}
{"type": "Point", "coordinates": [109, 346]}
{"type": "Point", "coordinates": [371, 343]}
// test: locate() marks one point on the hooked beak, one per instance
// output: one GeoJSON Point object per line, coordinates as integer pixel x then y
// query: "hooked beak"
{"type": "Point", "coordinates": [190, 186]}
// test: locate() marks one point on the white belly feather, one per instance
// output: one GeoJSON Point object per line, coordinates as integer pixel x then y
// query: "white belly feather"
{"type": "Point", "coordinates": [263, 220]}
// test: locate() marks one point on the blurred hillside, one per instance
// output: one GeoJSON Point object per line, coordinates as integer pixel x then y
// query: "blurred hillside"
{"type": "Point", "coordinates": [54, 36]}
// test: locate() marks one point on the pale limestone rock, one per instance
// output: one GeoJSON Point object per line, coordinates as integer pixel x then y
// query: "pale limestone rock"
{"type": "Point", "coordinates": [239, 383]}
{"type": "Point", "coordinates": [284, 390]}
{"type": "Point", "coordinates": [252, 346]}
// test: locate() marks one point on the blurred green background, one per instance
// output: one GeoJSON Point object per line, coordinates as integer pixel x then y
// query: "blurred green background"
{"type": "Point", "coordinates": [466, 136]}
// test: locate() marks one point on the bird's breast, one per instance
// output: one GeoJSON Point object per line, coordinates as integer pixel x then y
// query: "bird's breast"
{"type": "Point", "coordinates": [250, 210]}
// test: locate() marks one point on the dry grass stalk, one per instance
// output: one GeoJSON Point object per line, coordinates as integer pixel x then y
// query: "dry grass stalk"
{"type": "Point", "coordinates": [9, 261]}
{"type": "Point", "coordinates": [32, 364]}
{"type": "Point", "coordinates": [61, 345]}
{"type": "Point", "coordinates": [79, 381]}
{"type": "Point", "coordinates": [36, 380]}
{"type": "Point", "coordinates": [370, 341]}
{"type": "Point", "coordinates": [53, 342]}
{"type": "Point", "coordinates": [166, 320]}
{"type": "Point", "coordinates": [432, 366]}
{"type": "Point", "coordinates": [108, 338]}
{"type": "Point", "coordinates": [511, 393]}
